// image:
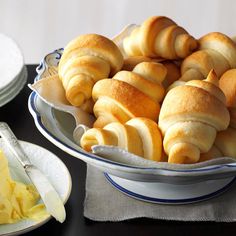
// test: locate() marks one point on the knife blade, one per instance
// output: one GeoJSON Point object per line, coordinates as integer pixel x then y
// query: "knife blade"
{"type": "Point", "coordinates": [48, 194]}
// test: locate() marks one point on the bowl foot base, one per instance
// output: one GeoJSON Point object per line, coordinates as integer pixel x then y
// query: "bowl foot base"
{"type": "Point", "coordinates": [163, 193]}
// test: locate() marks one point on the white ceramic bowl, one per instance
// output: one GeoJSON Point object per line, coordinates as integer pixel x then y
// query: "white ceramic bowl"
{"type": "Point", "coordinates": [58, 126]}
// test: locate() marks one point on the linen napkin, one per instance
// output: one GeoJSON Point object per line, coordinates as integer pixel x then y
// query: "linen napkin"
{"type": "Point", "coordinates": [104, 203]}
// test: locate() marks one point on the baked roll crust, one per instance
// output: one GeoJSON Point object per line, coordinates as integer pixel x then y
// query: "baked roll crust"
{"type": "Point", "coordinates": [190, 116]}
{"type": "Point", "coordinates": [216, 51]}
{"type": "Point", "coordinates": [129, 94]}
{"type": "Point", "coordinates": [140, 136]}
{"type": "Point", "coordinates": [85, 60]}
{"type": "Point", "coordinates": [159, 36]}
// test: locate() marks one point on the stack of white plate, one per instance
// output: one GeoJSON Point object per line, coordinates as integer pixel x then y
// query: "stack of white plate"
{"type": "Point", "coordinates": [13, 72]}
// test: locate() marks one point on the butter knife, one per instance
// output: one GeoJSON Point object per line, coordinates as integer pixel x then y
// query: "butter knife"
{"type": "Point", "coordinates": [50, 197]}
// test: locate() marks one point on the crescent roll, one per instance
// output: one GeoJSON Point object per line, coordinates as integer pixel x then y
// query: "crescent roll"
{"type": "Point", "coordinates": [216, 51]}
{"type": "Point", "coordinates": [85, 60]}
{"type": "Point", "coordinates": [173, 70]}
{"type": "Point", "coordinates": [226, 140]}
{"type": "Point", "coordinates": [190, 116]}
{"type": "Point", "coordinates": [140, 136]}
{"type": "Point", "coordinates": [159, 36]}
{"type": "Point", "coordinates": [129, 94]}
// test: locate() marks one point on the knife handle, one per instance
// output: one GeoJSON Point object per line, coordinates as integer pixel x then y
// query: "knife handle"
{"type": "Point", "coordinates": [12, 142]}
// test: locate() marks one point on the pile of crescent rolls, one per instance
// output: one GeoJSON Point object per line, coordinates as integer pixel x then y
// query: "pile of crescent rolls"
{"type": "Point", "coordinates": [164, 96]}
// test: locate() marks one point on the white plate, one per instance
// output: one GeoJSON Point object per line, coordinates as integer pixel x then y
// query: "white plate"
{"type": "Point", "coordinates": [11, 61]}
{"type": "Point", "coordinates": [13, 84]}
{"type": "Point", "coordinates": [10, 92]}
{"type": "Point", "coordinates": [51, 166]}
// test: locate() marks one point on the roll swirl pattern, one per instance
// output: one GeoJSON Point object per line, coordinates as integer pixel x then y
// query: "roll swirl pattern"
{"type": "Point", "coordinates": [129, 94]}
{"type": "Point", "coordinates": [190, 117]}
{"type": "Point", "coordinates": [216, 51]}
{"type": "Point", "coordinates": [85, 60]}
{"type": "Point", "coordinates": [140, 136]}
{"type": "Point", "coordinates": [159, 36]}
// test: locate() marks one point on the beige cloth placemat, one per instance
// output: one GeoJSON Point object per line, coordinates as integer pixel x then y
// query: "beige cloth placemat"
{"type": "Point", "coordinates": [105, 203]}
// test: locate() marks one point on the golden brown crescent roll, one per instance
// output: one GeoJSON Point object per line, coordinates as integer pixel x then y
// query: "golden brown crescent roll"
{"type": "Point", "coordinates": [140, 136]}
{"type": "Point", "coordinates": [85, 60]}
{"type": "Point", "coordinates": [190, 116]}
{"type": "Point", "coordinates": [129, 94]}
{"type": "Point", "coordinates": [227, 83]}
{"type": "Point", "coordinates": [159, 36]}
{"type": "Point", "coordinates": [226, 140]}
{"type": "Point", "coordinates": [216, 51]}
{"type": "Point", "coordinates": [173, 70]}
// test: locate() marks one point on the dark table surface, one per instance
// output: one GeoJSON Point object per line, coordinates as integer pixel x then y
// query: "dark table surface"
{"type": "Point", "coordinates": [16, 114]}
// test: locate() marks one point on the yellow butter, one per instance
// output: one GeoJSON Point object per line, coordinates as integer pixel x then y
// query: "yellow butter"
{"type": "Point", "coordinates": [17, 200]}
